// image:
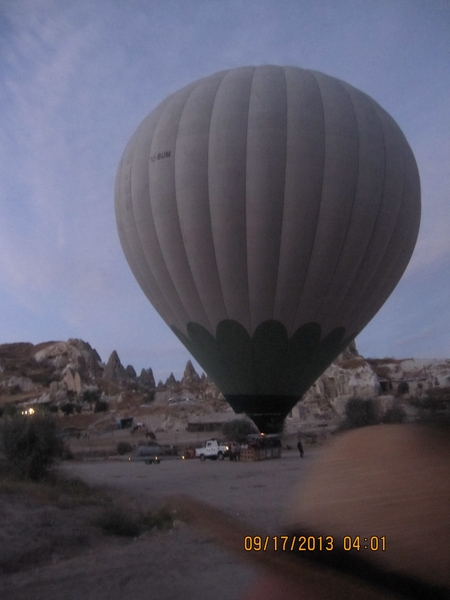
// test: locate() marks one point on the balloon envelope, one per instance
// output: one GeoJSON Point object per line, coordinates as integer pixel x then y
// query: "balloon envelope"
{"type": "Point", "coordinates": [267, 213]}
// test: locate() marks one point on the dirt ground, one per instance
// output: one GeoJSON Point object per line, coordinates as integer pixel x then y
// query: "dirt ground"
{"type": "Point", "coordinates": [50, 552]}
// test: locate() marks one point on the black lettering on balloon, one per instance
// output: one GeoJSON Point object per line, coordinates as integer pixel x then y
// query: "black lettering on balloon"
{"type": "Point", "coordinates": [160, 155]}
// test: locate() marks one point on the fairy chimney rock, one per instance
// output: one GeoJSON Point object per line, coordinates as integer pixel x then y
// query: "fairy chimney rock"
{"type": "Point", "coordinates": [146, 379]}
{"type": "Point", "coordinates": [190, 375]}
{"type": "Point", "coordinates": [171, 381]}
{"type": "Point", "coordinates": [130, 372]}
{"type": "Point", "coordinates": [114, 370]}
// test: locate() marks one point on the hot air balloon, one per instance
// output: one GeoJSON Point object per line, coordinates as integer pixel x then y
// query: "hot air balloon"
{"type": "Point", "coordinates": [267, 213]}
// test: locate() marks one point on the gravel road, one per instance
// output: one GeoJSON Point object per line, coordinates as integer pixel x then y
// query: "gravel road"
{"type": "Point", "coordinates": [184, 563]}
{"type": "Point", "coordinates": [256, 492]}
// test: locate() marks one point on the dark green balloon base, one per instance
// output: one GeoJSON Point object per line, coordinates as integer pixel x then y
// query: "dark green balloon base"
{"type": "Point", "coordinates": [267, 412]}
{"type": "Point", "coordinates": [264, 374]}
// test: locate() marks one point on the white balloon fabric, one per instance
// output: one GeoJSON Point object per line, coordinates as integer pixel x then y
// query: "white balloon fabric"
{"type": "Point", "coordinates": [267, 213]}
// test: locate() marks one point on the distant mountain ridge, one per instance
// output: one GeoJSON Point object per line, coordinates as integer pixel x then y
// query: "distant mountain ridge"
{"type": "Point", "coordinates": [57, 372]}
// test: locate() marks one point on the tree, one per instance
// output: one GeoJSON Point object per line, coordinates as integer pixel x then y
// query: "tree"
{"type": "Point", "coordinates": [67, 408]}
{"type": "Point", "coordinates": [100, 406]}
{"type": "Point", "coordinates": [31, 444]}
{"type": "Point", "coordinates": [238, 429]}
{"type": "Point", "coordinates": [396, 414]}
{"type": "Point", "coordinates": [360, 413]}
{"type": "Point", "coordinates": [403, 388]}
{"type": "Point", "coordinates": [91, 396]}
{"type": "Point", "coordinates": [434, 407]}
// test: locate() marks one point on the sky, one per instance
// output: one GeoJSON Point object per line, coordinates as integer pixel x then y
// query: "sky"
{"type": "Point", "coordinates": [76, 79]}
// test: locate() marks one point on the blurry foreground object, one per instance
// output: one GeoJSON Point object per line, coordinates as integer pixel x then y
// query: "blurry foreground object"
{"type": "Point", "coordinates": [384, 481]}
{"type": "Point", "coordinates": [267, 213]}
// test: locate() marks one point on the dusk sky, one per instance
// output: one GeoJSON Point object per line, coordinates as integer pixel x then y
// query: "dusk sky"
{"type": "Point", "coordinates": [76, 79]}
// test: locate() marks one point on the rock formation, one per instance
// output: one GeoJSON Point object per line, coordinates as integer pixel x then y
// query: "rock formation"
{"type": "Point", "coordinates": [131, 373]}
{"type": "Point", "coordinates": [58, 372]}
{"type": "Point", "coordinates": [171, 382]}
{"type": "Point", "coordinates": [114, 370]}
{"type": "Point", "coordinates": [190, 375]}
{"type": "Point", "coordinates": [146, 379]}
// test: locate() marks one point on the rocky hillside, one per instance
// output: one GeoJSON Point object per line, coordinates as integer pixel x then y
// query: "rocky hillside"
{"type": "Point", "coordinates": [71, 380]}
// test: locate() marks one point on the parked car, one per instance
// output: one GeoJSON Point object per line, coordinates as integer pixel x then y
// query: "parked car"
{"type": "Point", "coordinates": [148, 454]}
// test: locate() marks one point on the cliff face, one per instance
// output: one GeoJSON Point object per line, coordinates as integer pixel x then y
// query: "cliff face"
{"type": "Point", "coordinates": [56, 373]}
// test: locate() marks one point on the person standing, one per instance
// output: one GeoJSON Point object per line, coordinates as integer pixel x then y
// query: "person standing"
{"type": "Point", "coordinates": [300, 448]}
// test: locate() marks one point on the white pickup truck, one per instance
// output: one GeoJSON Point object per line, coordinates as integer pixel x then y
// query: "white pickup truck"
{"type": "Point", "coordinates": [212, 449]}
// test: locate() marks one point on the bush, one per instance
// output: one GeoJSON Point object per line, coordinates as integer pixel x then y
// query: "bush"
{"type": "Point", "coordinates": [159, 519]}
{"type": "Point", "coordinates": [118, 521]}
{"type": "Point", "coordinates": [9, 410]}
{"type": "Point", "coordinates": [403, 388]}
{"type": "Point", "coordinates": [237, 430]}
{"type": "Point", "coordinates": [31, 444]}
{"type": "Point", "coordinates": [125, 521]}
{"type": "Point", "coordinates": [149, 397]}
{"type": "Point", "coordinates": [394, 415]}
{"type": "Point", "coordinates": [434, 407]}
{"type": "Point", "coordinates": [100, 406]}
{"type": "Point", "coordinates": [91, 396]}
{"type": "Point", "coordinates": [360, 413]}
{"type": "Point", "coordinates": [68, 408]}
{"type": "Point", "coordinates": [123, 448]}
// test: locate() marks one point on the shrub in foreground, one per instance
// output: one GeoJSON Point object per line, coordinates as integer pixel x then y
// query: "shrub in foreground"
{"type": "Point", "coordinates": [124, 521]}
{"type": "Point", "coordinates": [118, 521]}
{"type": "Point", "coordinates": [31, 444]}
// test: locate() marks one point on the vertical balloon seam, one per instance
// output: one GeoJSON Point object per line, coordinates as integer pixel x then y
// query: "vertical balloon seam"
{"type": "Point", "coordinates": [355, 187]}
{"type": "Point", "coordinates": [304, 74]}
{"type": "Point", "coordinates": [167, 310]}
{"type": "Point", "coordinates": [148, 287]}
{"type": "Point", "coordinates": [375, 223]}
{"type": "Point", "coordinates": [376, 218]}
{"type": "Point", "coordinates": [253, 326]}
{"type": "Point", "coordinates": [156, 303]}
{"type": "Point", "coordinates": [209, 200]}
{"type": "Point", "coordinates": [213, 330]}
{"type": "Point", "coordinates": [388, 282]}
{"type": "Point", "coordinates": [245, 211]}
{"type": "Point", "coordinates": [121, 227]}
{"type": "Point", "coordinates": [299, 304]}
{"type": "Point", "coordinates": [151, 296]}
{"type": "Point", "coordinates": [280, 368]}
{"type": "Point", "coordinates": [246, 246]}
{"type": "Point", "coordinates": [282, 371]}
{"type": "Point", "coordinates": [283, 196]}
{"type": "Point", "coordinates": [370, 310]}
{"type": "Point", "coordinates": [182, 324]}
{"type": "Point", "coordinates": [184, 235]}
{"type": "Point", "coordinates": [182, 249]}
{"type": "Point", "coordinates": [216, 329]}
{"type": "Point", "coordinates": [134, 264]}
{"type": "Point", "coordinates": [381, 281]}
{"type": "Point", "coordinates": [229, 75]}
{"type": "Point", "coordinates": [407, 246]}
